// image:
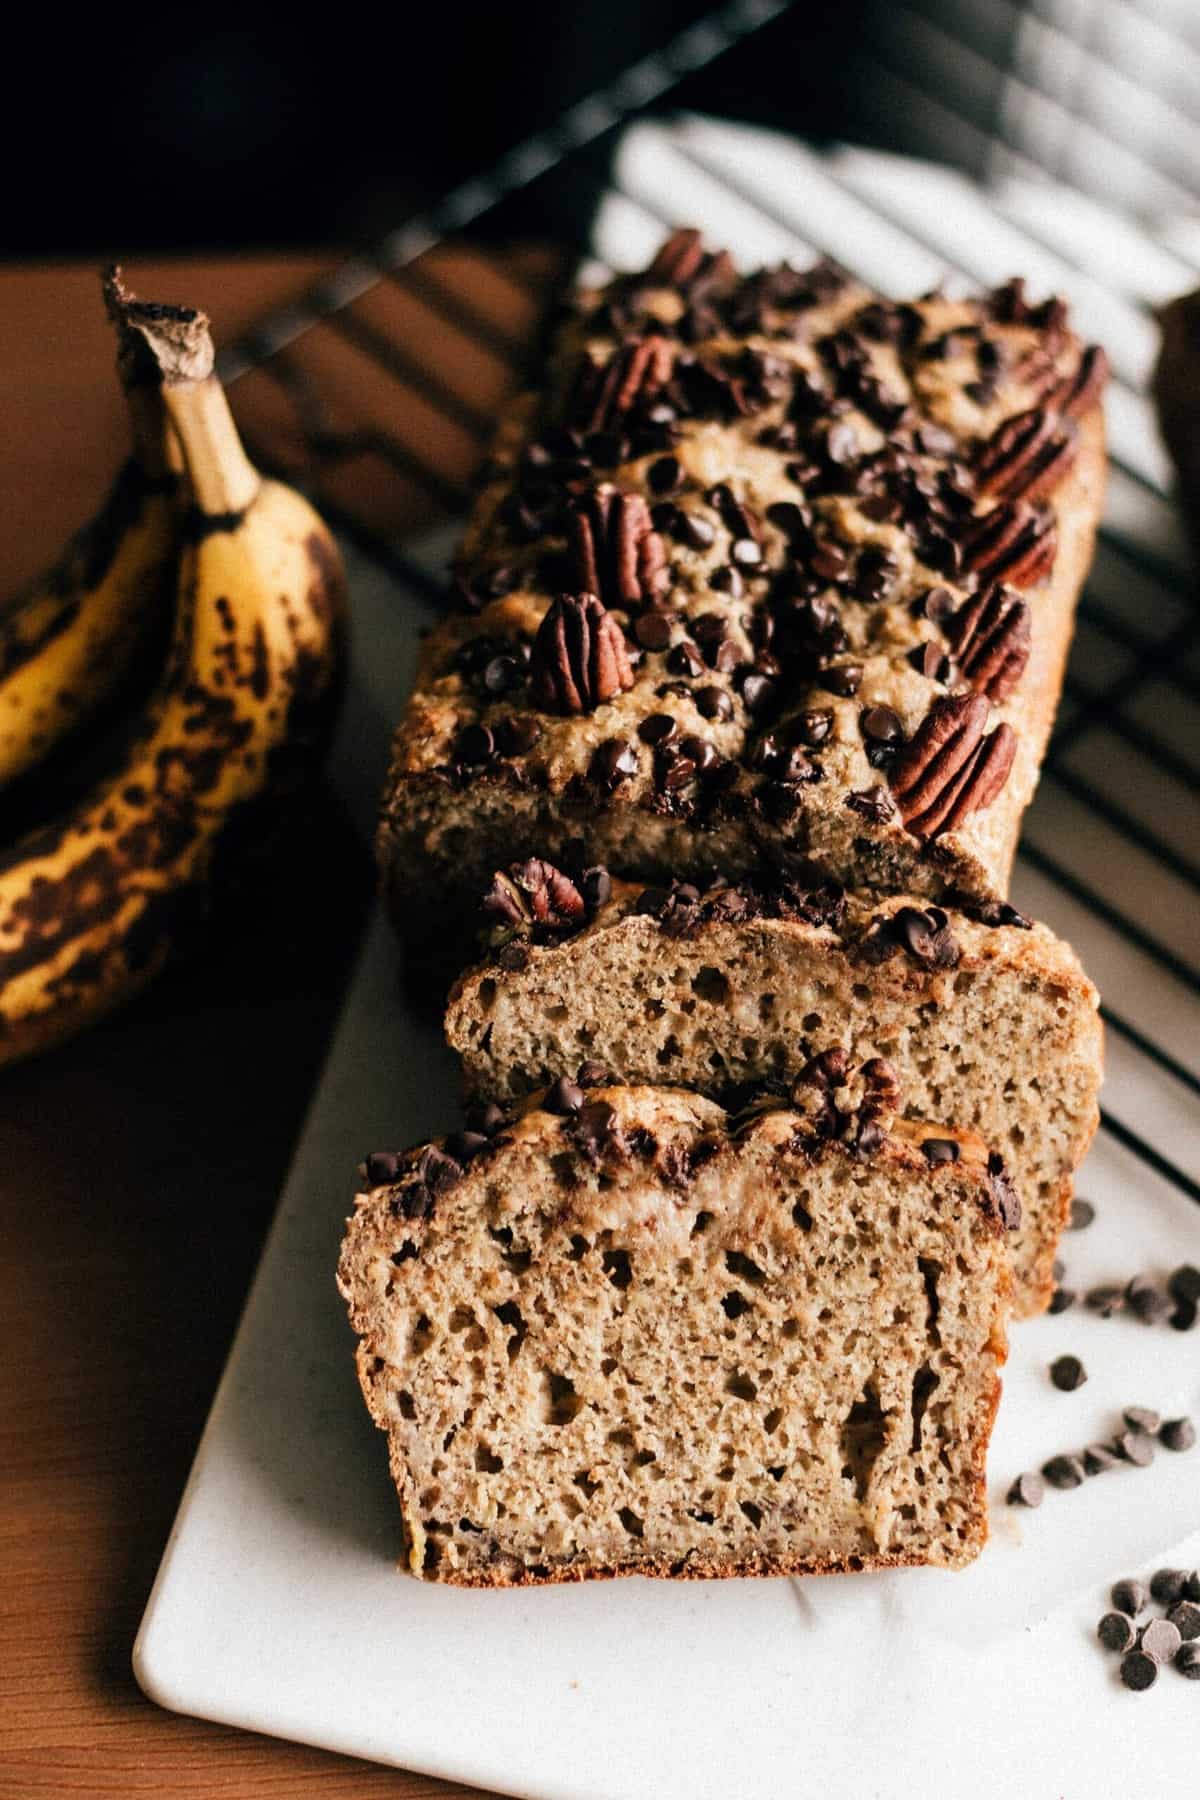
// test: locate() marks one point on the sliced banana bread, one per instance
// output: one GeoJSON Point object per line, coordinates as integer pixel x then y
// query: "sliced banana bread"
{"type": "Point", "coordinates": [624, 1332]}
{"type": "Point", "coordinates": [772, 572]}
{"type": "Point", "coordinates": [989, 1019]}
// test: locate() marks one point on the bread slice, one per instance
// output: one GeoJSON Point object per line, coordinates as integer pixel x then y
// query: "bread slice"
{"type": "Point", "coordinates": [629, 1333]}
{"type": "Point", "coordinates": [991, 1025]}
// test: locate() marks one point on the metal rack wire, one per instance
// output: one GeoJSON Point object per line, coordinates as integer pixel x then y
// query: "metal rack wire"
{"type": "Point", "coordinates": [1109, 849]}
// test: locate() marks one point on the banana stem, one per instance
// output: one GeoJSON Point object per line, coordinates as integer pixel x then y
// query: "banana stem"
{"type": "Point", "coordinates": [168, 350]}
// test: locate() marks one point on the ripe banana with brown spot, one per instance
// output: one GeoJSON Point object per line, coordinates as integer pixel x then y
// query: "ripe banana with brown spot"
{"type": "Point", "coordinates": [70, 644]}
{"type": "Point", "coordinates": [92, 906]}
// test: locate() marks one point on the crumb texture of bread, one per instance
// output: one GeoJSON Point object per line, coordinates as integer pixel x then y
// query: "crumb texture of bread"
{"type": "Point", "coordinates": [643, 1338]}
{"type": "Point", "coordinates": [1006, 1041]}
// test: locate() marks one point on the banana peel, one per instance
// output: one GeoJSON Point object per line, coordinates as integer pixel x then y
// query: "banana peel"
{"type": "Point", "coordinates": [95, 904]}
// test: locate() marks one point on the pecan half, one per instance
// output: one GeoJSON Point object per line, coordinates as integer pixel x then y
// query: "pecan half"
{"type": "Point", "coordinates": [992, 634]}
{"type": "Point", "coordinates": [534, 893]}
{"type": "Point", "coordinates": [949, 768]}
{"type": "Point", "coordinates": [579, 656]}
{"type": "Point", "coordinates": [683, 263]}
{"type": "Point", "coordinates": [1013, 542]}
{"type": "Point", "coordinates": [615, 550]}
{"type": "Point", "coordinates": [1027, 456]}
{"type": "Point", "coordinates": [1078, 392]}
{"type": "Point", "coordinates": [605, 392]}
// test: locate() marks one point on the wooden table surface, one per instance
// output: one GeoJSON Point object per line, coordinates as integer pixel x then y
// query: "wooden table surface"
{"type": "Point", "coordinates": [140, 1165]}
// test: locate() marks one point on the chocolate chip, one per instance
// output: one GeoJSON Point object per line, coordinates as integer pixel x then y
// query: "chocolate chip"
{"type": "Point", "coordinates": [595, 886]}
{"type": "Point", "coordinates": [1067, 1373]}
{"type": "Point", "coordinates": [1185, 1617]}
{"type": "Point", "coordinates": [714, 703]}
{"type": "Point", "coordinates": [1136, 1448]}
{"type": "Point", "coordinates": [936, 604]}
{"type": "Point", "coordinates": [694, 530]}
{"type": "Point", "coordinates": [1130, 1596]}
{"type": "Point", "coordinates": [685, 659]}
{"type": "Point", "coordinates": [1061, 1299]}
{"type": "Point", "coordinates": [564, 1097]}
{"type": "Point", "coordinates": [939, 1150]}
{"type": "Point", "coordinates": [487, 1118]}
{"type": "Point", "coordinates": [1064, 1472]}
{"type": "Point", "coordinates": [812, 728]}
{"type": "Point", "coordinates": [1184, 1316]}
{"type": "Point", "coordinates": [1192, 1586]}
{"type": "Point", "coordinates": [665, 475]}
{"type": "Point", "coordinates": [383, 1167]}
{"type": "Point", "coordinates": [758, 691]}
{"type": "Point", "coordinates": [1105, 1300]}
{"type": "Point", "coordinates": [1083, 1214]}
{"type": "Point", "coordinates": [881, 725]}
{"type": "Point", "coordinates": [653, 630]}
{"type": "Point", "coordinates": [1161, 1639]}
{"type": "Point", "coordinates": [659, 728]}
{"type": "Point", "coordinates": [1184, 1285]}
{"type": "Point", "coordinates": [828, 561]}
{"type": "Point", "coordinates": [844, 679]}
{"type": "Point", "coordinates": [1141, 1418]}
{"type": "Point", "coordinates": [1177, 1434]}
{"type": "Point", "coordinates": [613, 762]}
{"type": "Point", "coordinates": [1117, 1631]}
{"type": "Point", "coordinates": [1138, 1671]}
{"type": "Point", "coordinates": [875, 804]}
{"type": "Point", "coordinates": [1187, 1661]}
{"type": "Point", "coordinates": [1168, 1586]}
{"type": "Point", "coordinates": [464, 1145]}
{"type": "Point", "coordinates": [727, 580]}
{"type": "Point", "coordinates": [1146, 1301]}
{"type": "Point", "coordinates": [699, 751]}
{"type": "Point", "coordinates": [1098, 1459]}
{"type": "Point", "coordinates": [516, 736]}
{"type": "Point", "coordinates": [593, 1074]}
{"type": "Point", "coordinates": [473, 745]}
{"type": "Point", "coordinates": [1027, 1490]}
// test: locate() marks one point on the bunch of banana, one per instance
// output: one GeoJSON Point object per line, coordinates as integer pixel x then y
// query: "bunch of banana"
{"type": "Point", "coordinates": [71, 642]}
{"type": "Point", "coordinates": [93, 905]}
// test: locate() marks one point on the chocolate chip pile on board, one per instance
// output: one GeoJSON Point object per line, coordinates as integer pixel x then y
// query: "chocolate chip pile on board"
{"type": "Point", "coordinates": [1133, 1446]}
{"type": "Point", "coordinates": [1147, 1646]}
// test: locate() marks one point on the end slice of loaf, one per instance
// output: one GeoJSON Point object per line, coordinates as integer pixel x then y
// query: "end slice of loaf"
{"type": "Point", "coordinates": [990, 1026]}
{"type": "Point", "coordinates": [640, 1336]}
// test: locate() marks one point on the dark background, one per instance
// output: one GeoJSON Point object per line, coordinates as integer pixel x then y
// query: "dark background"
{"type": "Point", "coordinates": [233, 126]}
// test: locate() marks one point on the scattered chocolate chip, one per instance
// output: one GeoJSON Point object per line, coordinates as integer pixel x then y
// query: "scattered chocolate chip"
{"type": "Point", "coordinates": [1187, 1660]}
{"type": "Point", "coordinates": [1105, 1300]}
{"type": "Point", "coordinates": [486, 1118]}
{"type": "Point", "coordinates": [1061, 1299]}
{"type": "Point", "coordinates": [1064, 1472]}
{"type": "Point", "coordinates": [812, 728]}
{"type": "Point", "coordinates": [875, 804]}
{"type": "Point", "coordinates": [685, 659]}
{"type": "Point", "coordinates": [940, 1150]}
{"type": "Point", "coordinates": [1177, 1434]}
{"type": "Point", "coordinates": [1098, 1459]}
{"type": "Point", "coordinates": [1184, 1316]}
{"type": "Point", "coordinates": [1130, 1596]}
{"type": "Point", "coordinates": [1141, 1418]}
{"type": "Point", "coordinates": [1185, 1616]}
{"type": "Point", "coordinates": [1161, 1639]}
{"type": "Point", "coordinates": [1192, 1586]}
{"type": "Point", "coordinates": [1067, 1373]}
{"type": "Point", "coordinates": [1117, 1631]}
{"type": "Point", "coordinates": [1168, 1586]}
{"type": "Point", "coordinates": [758, 691]}
{"type": "Point", "coordinates": [463, 1146]}
{"type": "Point", "coordinates": [1146, 1301]}
{"type": "Point", "coordinates": [1027, 1490]}
{"type": "Point", "coordinates": [1184, 1285]}
{"type": "Point", "coordinates": [516, 736]}
{"type": "Point", "coordinates": [613, 762]}
{"type": "Point", "coordinates": [564, 1097]}
{"type": "Point", "coordinates": [1083, 1214]}
{"type": "Point", "coordinates": [1138, 1671]}
{"type": "Point", "coordinates": [593, 1074]}
{"type": "Point", "coordinates": [1136, 1448]}
{"type": "Point", "coordinates": [880, 725]}
{"type": "Point", "coordinates": [595, 884]}
{"type": "Point", "coordinates": [694, 530]}
{"type": "Point", "coordinates": [936, 604]}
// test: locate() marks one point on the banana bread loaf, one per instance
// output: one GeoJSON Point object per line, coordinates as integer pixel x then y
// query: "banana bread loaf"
{"type": "Point", "coordinates": [774, 573]}
{"type": "Point", "coordinates": [989, 1019]}
{"type": "Point", "coordinates": [628, 1333]}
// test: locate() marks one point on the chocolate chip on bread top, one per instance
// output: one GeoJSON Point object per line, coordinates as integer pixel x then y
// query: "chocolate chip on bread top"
{"type": "Point", "coordinates": [772, 572]}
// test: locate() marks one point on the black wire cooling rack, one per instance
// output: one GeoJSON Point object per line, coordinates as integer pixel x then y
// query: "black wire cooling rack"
{"type": "Point", "coordinates": [1109, 852]}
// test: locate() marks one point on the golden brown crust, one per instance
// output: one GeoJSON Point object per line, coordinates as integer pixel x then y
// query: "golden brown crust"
{"type": "Point", "coordinates": [445, 820]}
